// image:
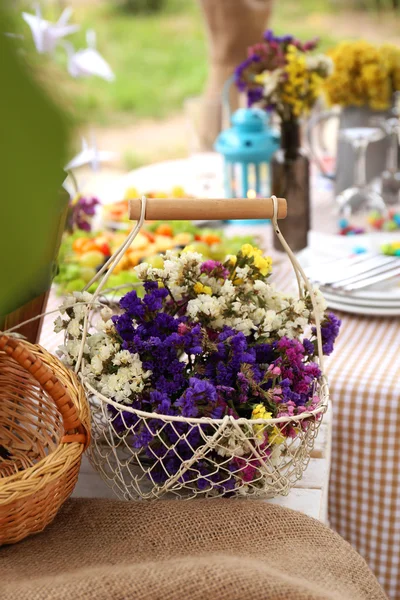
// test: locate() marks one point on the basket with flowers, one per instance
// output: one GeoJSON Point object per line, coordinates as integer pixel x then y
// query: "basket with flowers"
{"type": "Point", "coordinates": [207, 385]}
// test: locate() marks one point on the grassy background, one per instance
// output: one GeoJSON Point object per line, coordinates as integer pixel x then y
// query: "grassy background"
{"type": "Point", "coordinates": [158, 59]}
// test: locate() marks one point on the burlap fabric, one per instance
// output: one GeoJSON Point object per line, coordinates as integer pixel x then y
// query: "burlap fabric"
{"type": "Point", "coordinates": [203, 550]}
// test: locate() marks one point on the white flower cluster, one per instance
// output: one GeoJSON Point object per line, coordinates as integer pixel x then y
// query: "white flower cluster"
{"type": "Point", "coordinates": [115, 373]}
{"type": "Point", "coordinates": [177, 272]}
{"type": "Point", "coordinates": [321, 63]}
{"type": "Point", "coordinates": [249, 306]}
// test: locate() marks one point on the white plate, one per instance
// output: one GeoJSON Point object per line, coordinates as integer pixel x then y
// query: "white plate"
{"type": "Point", "coordinates": [364, 310]}
{"type": "Point", "coordinates": [350, 299]}
{"type": "Point", "coordinates": [323, 248]}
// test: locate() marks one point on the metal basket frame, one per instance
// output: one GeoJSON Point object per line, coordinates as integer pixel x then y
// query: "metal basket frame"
{"type": "Point", "coordinates": [132, 477]}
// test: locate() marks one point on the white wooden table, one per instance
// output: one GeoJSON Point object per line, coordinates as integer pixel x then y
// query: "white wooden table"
{"type": "Point", "coordinates": [309, 496]}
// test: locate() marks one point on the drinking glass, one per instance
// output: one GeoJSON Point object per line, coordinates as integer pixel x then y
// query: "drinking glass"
{"type": "Point", "coordinates": [360, 196]}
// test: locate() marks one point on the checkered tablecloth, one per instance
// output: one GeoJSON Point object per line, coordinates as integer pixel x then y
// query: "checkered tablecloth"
{"type": "Point", "coordinates": [364, 374]}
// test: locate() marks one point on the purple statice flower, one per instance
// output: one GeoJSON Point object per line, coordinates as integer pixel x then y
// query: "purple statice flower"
{"type": "Point", "coordinates": [197, 397]}
{"type": "Point", "coordinates": [330, 328]}
{"type": "Point", "coordinates": [240, 71]}
{"type": "Point", "coordinates": [81, 212]}
{"type": "Point", "coordinates": [254, 95]}
{"type": "Point", "coordinates": [309, 347]}
{"type": "Point", "coordinates": [215, 268]}
{"type": "Point", "coordinates": [269, 37]}
{"type": "Point", "coordinates": [133, 306]}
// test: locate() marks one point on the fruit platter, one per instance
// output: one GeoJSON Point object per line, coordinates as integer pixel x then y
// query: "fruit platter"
{"type": "Point", "coordinates": [83, 253]}
{"type": "Point", "coordinates": [115, 215]}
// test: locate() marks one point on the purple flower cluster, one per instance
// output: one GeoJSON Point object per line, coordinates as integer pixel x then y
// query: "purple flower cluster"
{"type": "Point", "coordinates": [81, 212]}
{"type": "Point", "coordinates": [198, 372]}
{"type": "Point", "coordinates": [329, 330]}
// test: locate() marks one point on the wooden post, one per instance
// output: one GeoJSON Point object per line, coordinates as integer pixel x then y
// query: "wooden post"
{"type": "Point", "coordinates": [232, 26]}
{"type": "Point", "coordinates": [33, 308]}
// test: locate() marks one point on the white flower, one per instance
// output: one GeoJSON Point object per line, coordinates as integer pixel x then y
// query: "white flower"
{"type": "Point", "coordinates": [320, 303]}
{"type": "Point", "coordinates": [204, 304]}
{"type": "Point", "coordinates": [228, 289]}
{"type": "Point", "coordinates": [79, 311]}
{"type": "Point", "coordinates": [244, 325]}
{"type": "Point", "coordinates": [105, 351]}
{"type": "Point", "coordinates": [83, 296]}
{"type": "Point", "coordinates": [321, 63]}
{"type": "Point", "coordinates": [107, 327]}
{"type": "Point", "coordinates": [59, 325]}
{"type": "Point", "coordinates": [97, 365]}
{"type": "Point", "coordinates": [106, 313]}
{"type": "Point", "coordinates": [242, 272]}
{"type": "Point", "coordinates": [69, 301]}
{"type": "Point", "coordinates": [124, 357]}
{"type": "Point", "coordinates": [73, 328]}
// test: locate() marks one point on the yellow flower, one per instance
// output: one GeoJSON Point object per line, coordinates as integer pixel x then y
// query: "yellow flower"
{"type": "Point", "coordinates": [131, 193]}
{"type": "Point", "coordinates": [249, 250]}
{"type": "Point", "coordinates": [232, 259]}
{"type": "Point", "coordinates": [260, 412]}
{"type": "Point", "coordinates": [199, 288]}
{"type": "Point", "coordinates": [364, 74]}
{"type": "Point", "coordinates": [178, 192]}
{"type": "Point", "coordinates": [76, 199]}
{"type": "Point", "coordinates": [263, 264]}
{"type": "Point", "coordinates": [275, 437]}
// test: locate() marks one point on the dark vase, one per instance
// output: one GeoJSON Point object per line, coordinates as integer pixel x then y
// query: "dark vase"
{"type": "Point", "coordinates": [290, 179]}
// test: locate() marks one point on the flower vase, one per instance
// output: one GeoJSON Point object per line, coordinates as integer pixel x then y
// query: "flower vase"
{"type": "Point", "coordinates": [290, 179]}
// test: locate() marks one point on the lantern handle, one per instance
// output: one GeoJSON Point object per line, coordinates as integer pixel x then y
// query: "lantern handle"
{"type": "Point", "coordinates": [226, 105]}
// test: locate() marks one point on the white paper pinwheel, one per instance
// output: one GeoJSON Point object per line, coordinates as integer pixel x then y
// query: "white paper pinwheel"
{"type": "Point", "coordinates": [47, 35]}
{"type": "Point", "coordinates": [88, 61]}
{"type": "Point", "coordinates": [90, 155]}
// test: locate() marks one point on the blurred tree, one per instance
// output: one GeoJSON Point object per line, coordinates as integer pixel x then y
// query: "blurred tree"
{"type": "Point", "coordinates": [32, 209]}
{"type": "Point", "coordinates": [233, 26]}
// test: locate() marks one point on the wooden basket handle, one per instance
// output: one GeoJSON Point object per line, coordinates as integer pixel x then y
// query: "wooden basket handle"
{"type": "Point", "coordinates": [74, 430]}
{"type": "Point", "coordinates": [221, 209]}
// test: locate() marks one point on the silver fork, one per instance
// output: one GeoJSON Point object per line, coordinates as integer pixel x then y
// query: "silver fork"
{"type": "Point", "coordinates": [355, 272]}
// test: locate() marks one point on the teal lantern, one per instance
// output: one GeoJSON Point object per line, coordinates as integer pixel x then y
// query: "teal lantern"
{"type": "Point", "coordinates": [247, 148]}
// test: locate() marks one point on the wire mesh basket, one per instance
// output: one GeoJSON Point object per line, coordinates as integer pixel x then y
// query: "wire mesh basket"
{"type": "Point", "coordinates": [192, 457]}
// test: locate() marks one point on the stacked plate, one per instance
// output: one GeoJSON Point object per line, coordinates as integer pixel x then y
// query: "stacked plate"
{"type": "Point", "coordinates": [367, 283]}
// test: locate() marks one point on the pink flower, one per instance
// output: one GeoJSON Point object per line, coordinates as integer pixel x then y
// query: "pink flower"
{"type": "Point", "coordinates": [274, 370]}
{"type": "Point", "coordinates": [183, 328]}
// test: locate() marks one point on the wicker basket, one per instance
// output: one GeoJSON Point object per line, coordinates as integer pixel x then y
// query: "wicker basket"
{"type": "Point", "coordinates": [44, 429]}
{"type": "Point", "coordinates": [237, 463]}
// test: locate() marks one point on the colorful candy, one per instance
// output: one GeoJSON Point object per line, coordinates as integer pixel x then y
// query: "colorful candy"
{"type": "Point", "coordinates": [390, 223]}
{"type": "Point", "coordinates": [346, 229]}
{"type": "Point", "coordinates": [392, 249]}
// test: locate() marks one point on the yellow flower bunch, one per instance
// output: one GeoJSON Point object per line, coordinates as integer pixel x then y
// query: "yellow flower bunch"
{"type": "Point", "coordinates": [200, 288]}
{"type": "Point", "coordinates": [260, 412]}
{"type": "Point", "coordinates": [302, 86]}
{"type": "Point", "coordinates": [364, 75]}
{"type": "Point", "coordinates": [262, 263]}
{"type": "Point", "coordinates": [274, 436]}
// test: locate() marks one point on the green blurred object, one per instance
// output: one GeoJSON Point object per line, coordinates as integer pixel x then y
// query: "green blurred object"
{"type": "Point", "coordinates": [142, 6]}
{"type": "Point", "coordinates": [32, 207]}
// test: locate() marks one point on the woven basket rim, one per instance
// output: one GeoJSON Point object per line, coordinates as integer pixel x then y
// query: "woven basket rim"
{"type": "Point", "coordinates": [59, 460]}
{"type": "Point", "coordinates": [321, 407]}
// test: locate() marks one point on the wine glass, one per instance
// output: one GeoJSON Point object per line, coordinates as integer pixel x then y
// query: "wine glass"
{"type": "Point", "coordinates": [390, 179]}
{"type": "Point", "coordinates": [360, 196]}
